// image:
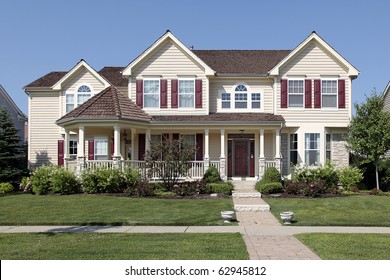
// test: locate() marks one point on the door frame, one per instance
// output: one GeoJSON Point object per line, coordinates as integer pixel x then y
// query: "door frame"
{"type": "Point", "coordinates": [232, 140]}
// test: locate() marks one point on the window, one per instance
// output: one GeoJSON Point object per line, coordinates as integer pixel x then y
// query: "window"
{"type": "Point", "coordinates": [241, 97]}
{"type": "Point", "coordinates": [225, 97]}
{"type": "Point", "coordinates": [293, 149]}
{"type": "Point", "coordinates": [73, 148]}
{"type": "Point", "coordinates": [101, 148]}
{"type": "Point", "coordinates": [74, 100]}
{"type": "Point", "coordinates": [186, 93]}
{"type": "Point", "coordinates": [151, 93]}
{"type": "Point", "coordinates": [328, 147]}
{"type": "Point", "coordinates": [329, 93]}
{"type": "Point", "coordinates": [295, 93]}
{"type": "Point", "coordinates": [312, 148]}
{"type": "Point", "coordinates": [256, 100]}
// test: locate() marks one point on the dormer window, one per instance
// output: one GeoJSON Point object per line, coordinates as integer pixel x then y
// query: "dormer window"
{"type": "Point", "coordinates": [75, 99]}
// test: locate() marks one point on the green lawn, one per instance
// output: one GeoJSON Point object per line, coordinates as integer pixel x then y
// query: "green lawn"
{"type": "Point", "coordinates": [26, 209]}
{"type": "Point", "coordinates": [115, 246]}
{"type": "Point", "coordinates": [331, 246]}
{"type": "Point", "coordinates": [337, 211]}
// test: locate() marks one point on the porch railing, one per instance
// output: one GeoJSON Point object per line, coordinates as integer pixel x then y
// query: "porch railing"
{"type": "Point", "coordinates": [96, 164]}
{"type": "Point", "coordinates": [270, 163]}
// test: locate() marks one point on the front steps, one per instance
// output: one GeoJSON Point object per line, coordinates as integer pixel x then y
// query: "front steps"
{"type": "Point", "coordinates": [249, 201]}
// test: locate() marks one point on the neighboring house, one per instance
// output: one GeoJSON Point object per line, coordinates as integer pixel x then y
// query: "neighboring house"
{"type": "Point", "coordinates": [386, 97]}
{"type": "Point", "coordinates": [245, 110]}
{"type": "Point", "coordinates": [18, 117]}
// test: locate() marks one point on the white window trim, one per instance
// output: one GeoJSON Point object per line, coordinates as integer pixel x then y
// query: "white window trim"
{"type": "Point", "coordinates": [330, 94]}
{"type": "Point", "coordinates": [178, 94]}
{"type": "Point", "coordinates": [159, 93]}
{"type": "Point", "coordinates": [296, 94]}
{"type": "Point", "coordinates": [75, 94]}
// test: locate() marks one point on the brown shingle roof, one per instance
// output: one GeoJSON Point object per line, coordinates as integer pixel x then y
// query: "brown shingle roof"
{"type": "Point", "coordinates": [241, 61]}
{"type": "Point", "coordinates": [222, 117]}
{"type": "Point", "coordinates": [48, 80]}
{"type": "Point", "coordinates": [108, 104]}
{"type": "Point", "coordinates": [114, 76]}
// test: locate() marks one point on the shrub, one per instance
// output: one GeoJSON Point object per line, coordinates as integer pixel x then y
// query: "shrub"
{"type": "Point", "coordinates": [212, 175]}
{"type": "Point", "coordinates": [41, 179]}
{"type": "Point", "coordinates": [221, 188]}
{"type": "Point", "coordinates": [141, 189]}
{"type": "Point", "coordinates": [103, 180]}
{"type": "Point", "coordinates": [375, 192]}
{"type": "Point", "coordinates": [350, 177]}
{"type": "Point", "coordinates": [6, 188]}
{"type": "Point", "coordinates": [327, 172]}
{"type": "Point", "coordinates": [269, 188]}
{"type": "Point", "coordinates": [293, 187]}
{"type": "Point", "coordinates": [132, 177]}
{"type": "Point", "coordinates": [89, 181]}
{"type": "Point", "coordinates": [64, 182]}
{"type": "Point", "coordinates": [318, 188]}
{"type": "Point", "coordinates": [185, 188]}
{"type": "Point", "coordinates": [271, 175]}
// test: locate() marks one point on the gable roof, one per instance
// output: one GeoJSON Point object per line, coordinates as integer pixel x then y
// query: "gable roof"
{"type": "Point", "coordinates": [313, 37]}
{"type": "Point", "coordinates": [12, 104]}
{"type": "Point", "coordinates": [252, 62]}
{"type": "Point", "coordinates": [109, 104]}
{"type": "Point", "coordinates": [387, 90]}
{"type": "Point", "coordinates": [157, 44]}
{"type": "Point", "coordinates": [113, 74]}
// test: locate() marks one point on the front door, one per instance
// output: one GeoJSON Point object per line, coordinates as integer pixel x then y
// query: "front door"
{"type": "Point", "coordinates": [241, 158]}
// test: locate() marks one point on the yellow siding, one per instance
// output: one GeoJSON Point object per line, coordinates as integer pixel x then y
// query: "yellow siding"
{"type": "Point", "coordinates": [44, 133]}
{"type": "Point", "coordinates": [169, 62]}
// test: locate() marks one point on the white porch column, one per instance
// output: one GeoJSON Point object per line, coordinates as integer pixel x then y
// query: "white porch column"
{"type": "Point", "coordinates": [148, 138]}
{"type": "Point", "coordinates": [206, 149]}
{"type": "Point", "coordinates": [133, 132]}
{"type": "Point", "coordinates": [80, 151]}
{"type": "Point", "coordinates": [117, 146]}
{"type": "Point", "coordinates": [66, 145]}
{"type": "Point", "coordinates": [222, 157]}
{"type": "Point", "coordinates": [278, 156]}
{"type": "Point", "coordinates": [261, 155]}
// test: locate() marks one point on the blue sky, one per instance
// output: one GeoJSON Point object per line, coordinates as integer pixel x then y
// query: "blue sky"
{"type": "Point", "coordinates": [40, 36]}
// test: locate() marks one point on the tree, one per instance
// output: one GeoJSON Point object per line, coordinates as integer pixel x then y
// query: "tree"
{"type": "Point", "coordinates": [169, 160]}
{"type": "Point", "coordinates": [12, 152]}
{"type": "Point", "coordinates": [369, 131]}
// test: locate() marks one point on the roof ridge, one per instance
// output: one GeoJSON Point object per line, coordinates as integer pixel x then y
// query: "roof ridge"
{"type": "Point", "coordinates": [115, 98]}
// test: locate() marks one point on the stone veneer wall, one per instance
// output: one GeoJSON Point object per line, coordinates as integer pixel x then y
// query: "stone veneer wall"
{"type": "Point", "coordinates": [340, 155]}
{"type": "Point", "coordinates": [284, 152]}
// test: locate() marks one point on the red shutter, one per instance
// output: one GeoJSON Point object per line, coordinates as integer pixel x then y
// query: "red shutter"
{"type": "Point", "coordinates": [112, 148]}
{"type": "Point", "coordinates": [283, 94]}
{"type": "Point", "coordinates": [91, 149]}
{"type": "Point", "coordinates": [199, 146]}
{"type": "Point", "coordinates": [163, 93]}
{"type": "Point", "coordinates": [60, 152]}
{"type": "Point", "coordinates": [139, 92]}
{"type": "Point", "coordinates": [317, 93]}
{"type": "Point", "coordinates": [307, 93]}
{"type": "Point", "coordinates": [198, 93]}
{"type": "Point", "coordinates": [341, 93]}
{"type": "Point", "coordinates": [174, 92]}
{"type": "Point", "coordinates": [141, 146]}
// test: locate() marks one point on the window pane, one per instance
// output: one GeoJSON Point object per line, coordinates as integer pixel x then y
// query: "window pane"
{"type": "Point", "coordinates": [240, 105]}
{"type": "Point", "coordinates": [329, 101]}
{"type": "Point", "coordinates": [225, 97]}
{"type": "Point", "coordinates": [69, 107]}
{"type": "Point", "coordinates": [256, 100]}
{"type": "Point", "coordinates": [293, 157]}
{"type": "Point", "coordinates": [84, 89]}
{"type": "Point", "coordinates": [225, 104]}
{"type": "Point", "coordinates": [186, 86]}
{"type": "Point", "coordinates": [81, 98]}
{"type": "Point", "coordinates": [312, 157]}
{"type": "Point", "coordinates": [101, 147]}
{"type": "Point", "coordinates": [186, 100]}
{"type": "Point", "coordinates": [240, 88]}
{"type": "Point", "coordinates": [151, 100]}
{"type": "Point", "coordinates": [151, 86]}
{"type": "Point", "coordinates": [295, 101]}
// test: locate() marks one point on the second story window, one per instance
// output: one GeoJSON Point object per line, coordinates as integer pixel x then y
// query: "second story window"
{"type": "Point", "coordinates": [256, 100]}
{"type": "Point", "coordinates": [74, 100]}
{"type": "Point", "coordinates": [295, 93]}
{"type": "Point", "coordinates": [151, 93]}
{"type": "Point", "coordinates": [241, 97]}
{"type": "Point", "coordinates": [186, 93]}
{"type": "Point", "coordinates": [225, 99]}
{"type": "Point", "coordinates": [329, 93]}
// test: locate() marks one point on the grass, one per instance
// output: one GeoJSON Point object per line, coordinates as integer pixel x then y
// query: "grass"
{"type": "Point", "coordinates": [336, 211]}
{"type": "Point", "coordinates": [331, 246]}
{"type": "Point", "coordinates": [26, 209]}
{"type": "Point", "coordinates": [116, 246]}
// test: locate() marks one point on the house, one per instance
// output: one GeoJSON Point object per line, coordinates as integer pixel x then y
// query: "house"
{"type": "Point", "coordinates": [245, 110]}
{"type": "Point", "coordinates": [386, 98]}
{"type": "Point", "coordinates": [18, 117]}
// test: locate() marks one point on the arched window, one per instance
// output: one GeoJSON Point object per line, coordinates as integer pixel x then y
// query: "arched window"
{"type": "Point", "coordinates": [74, 100]}
{"type": "Point", "coordinates": [241, 96]}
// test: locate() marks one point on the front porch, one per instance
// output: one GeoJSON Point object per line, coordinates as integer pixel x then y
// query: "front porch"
{"type": "Point", "coordinates": [236, 153]}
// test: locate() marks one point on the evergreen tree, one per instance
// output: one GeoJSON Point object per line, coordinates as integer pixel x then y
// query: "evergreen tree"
{"type": "Point", "coordinates": [12, 152]}
{"type": "Point", "coordinates": [369, 131]}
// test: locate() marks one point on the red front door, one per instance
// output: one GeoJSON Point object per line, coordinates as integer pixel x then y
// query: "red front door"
{"type": "Point", "coordinates": [241, 158]}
